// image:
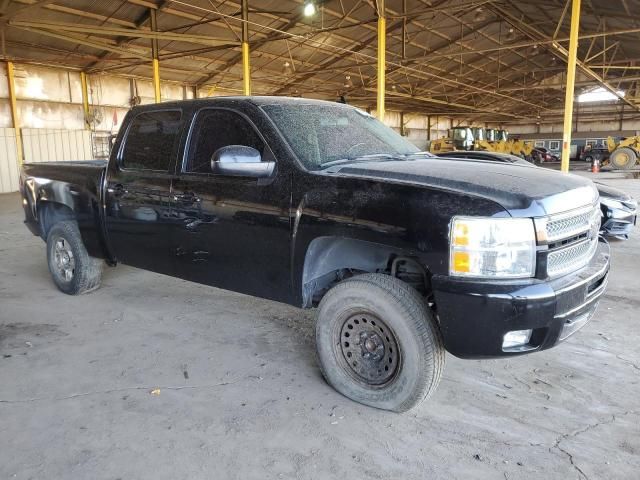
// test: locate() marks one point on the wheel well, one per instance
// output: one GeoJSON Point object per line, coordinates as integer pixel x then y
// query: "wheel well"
{"type": "Point", "coordinates": [50, 213]}
{"type": "Point", "coordinates": [330, 260]}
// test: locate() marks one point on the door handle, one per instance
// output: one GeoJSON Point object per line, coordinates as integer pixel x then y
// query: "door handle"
{"type": "Point", "coordinates": [118, 190]}
{"type": "Point", "coordinates": [187, 198]}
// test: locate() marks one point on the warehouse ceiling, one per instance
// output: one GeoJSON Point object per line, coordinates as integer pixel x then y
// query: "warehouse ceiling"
{"type": "Point", "coordinates": [495, 60]}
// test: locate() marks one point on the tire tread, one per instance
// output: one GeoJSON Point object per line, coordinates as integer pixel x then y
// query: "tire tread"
{"type": "Point", "coordinates": [408, 299]}
{"type": "Point", "coordinates": [88, 269]}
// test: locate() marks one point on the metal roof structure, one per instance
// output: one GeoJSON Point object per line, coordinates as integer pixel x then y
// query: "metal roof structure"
{"type": "Point", "coordinates": [497, 60]}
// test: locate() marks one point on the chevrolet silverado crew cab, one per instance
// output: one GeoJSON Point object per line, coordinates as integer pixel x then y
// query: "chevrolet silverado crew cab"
{"type": "Point", "coordinates": [318, 204]}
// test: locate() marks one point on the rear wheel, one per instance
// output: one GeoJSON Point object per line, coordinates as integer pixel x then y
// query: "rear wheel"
{"type": "Point", "coordinates": [378, 343]}
{"type": "Point", "coordinates": [623, 158]}
{"type": "Point", "coordinates": [588, 159]}
{"type": "Point", "coordinates": [73, 271]}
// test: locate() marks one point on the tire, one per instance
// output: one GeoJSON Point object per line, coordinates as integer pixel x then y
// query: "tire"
{"type": "Point", "coordinates": [623, 158]}
{"type": "Point", "coordinates": [359, 315]}
{"type": "Point", "coordinates": [73, 271]}
{"type": "Point", "coordinates": [588, 159]}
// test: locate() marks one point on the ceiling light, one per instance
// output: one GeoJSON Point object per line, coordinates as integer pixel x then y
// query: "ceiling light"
{"type": "Point", "coordinates": [309, 9]}
{"type": "Point", "coordinates": [287, 69]}
{"type": "Point", "coordinates": [511, 34]}
{"type": "Point", "coordinates": [480, 15]}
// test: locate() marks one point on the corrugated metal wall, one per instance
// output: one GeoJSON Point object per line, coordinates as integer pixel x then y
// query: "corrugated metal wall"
{"type": "Point", "coordinates": [8, 161]}
{"type": "Point", "coordinates": [55, 145]}
{"type": "Point", "coordinates": [40, 145]}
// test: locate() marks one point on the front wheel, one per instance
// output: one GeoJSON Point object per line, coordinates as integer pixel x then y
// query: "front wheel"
{"type": "Point", "coordinates": [623, 158]}
{"type": "Point", "coordinates": [378, 343]}
{"type": "Point", "coordinates": [73, 271]}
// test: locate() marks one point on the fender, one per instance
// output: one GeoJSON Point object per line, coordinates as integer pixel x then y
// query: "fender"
{"type": "Point", "coordinates": [328, 257]}
{"type": "Point", "coordinates": [47, 201]}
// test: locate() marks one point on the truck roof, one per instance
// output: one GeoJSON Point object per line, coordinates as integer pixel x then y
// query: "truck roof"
{"type": "Point", "coordinates": [255, 100]}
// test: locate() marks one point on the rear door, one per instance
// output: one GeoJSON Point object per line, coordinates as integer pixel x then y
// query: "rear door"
{"type": "Point", "coordinates": [139, 201]}
{"type": "Point", "coordinates": [233, 231]}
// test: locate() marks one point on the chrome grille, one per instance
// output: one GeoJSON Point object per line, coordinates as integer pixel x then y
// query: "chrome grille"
{"type": "Point", "coordinates": [573, 239]}
{"type": "Point", "coordinates": [569, 225]}
{"type": "Point", "coordinates": [571, 258]}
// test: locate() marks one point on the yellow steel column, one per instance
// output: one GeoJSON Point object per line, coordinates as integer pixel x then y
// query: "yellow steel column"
{"type": "Point", "coordinates": [571, 80]}
{"type": "Point", "coordinates": [85, 99]}
{"type": "Point", "coordinates": [382, 45]}
{"type": "Point", "coordinates": [246, 67]}
{"type": "Point", "coordinates": [156, 80]}
{"type": "Point", "coordinates": [154, 53]}
{"type": "Point", "coordinates": [14, 110]}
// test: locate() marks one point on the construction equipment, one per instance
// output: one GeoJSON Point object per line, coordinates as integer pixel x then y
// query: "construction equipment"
{"type": "Point", "coordinates": [478, 138]}
{"type": "Point", "coordinates": [502, 144]}
{"type": "Point", "coordinates": [460, 138]}
{"type": "Point", "coordinates": [624, 155]}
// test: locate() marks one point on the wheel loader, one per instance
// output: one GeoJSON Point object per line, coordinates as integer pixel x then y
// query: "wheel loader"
{"type": "Point", "coordinates": [625, 154]}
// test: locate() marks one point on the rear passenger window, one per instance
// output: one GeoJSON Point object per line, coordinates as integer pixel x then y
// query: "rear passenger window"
{"type": "Point", "coordinates": [151, 140]}
{"type": "Point", "coordinates": [214, 129]}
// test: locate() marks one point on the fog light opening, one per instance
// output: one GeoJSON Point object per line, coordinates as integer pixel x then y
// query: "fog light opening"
{"type": "Point", "coordinates": [516, 338]}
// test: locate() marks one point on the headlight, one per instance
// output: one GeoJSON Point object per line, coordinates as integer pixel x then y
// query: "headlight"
{"type": "Point", "coordinates": [492, 247]}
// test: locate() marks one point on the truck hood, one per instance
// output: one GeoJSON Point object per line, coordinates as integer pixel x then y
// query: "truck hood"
{"type": "Point", "coordinates": [521, 190]}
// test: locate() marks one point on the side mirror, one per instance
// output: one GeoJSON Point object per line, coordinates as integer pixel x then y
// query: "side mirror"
{"type": "Point", "coordinates": [240, 161]}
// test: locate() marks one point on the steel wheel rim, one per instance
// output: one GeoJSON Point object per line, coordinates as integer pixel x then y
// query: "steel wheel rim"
{"type": "Point", "coordinates": [368, 350]}
{"type": "Point", "coordinates": [64, 260]}
{"type": "Point", "coordinates": [624, 157]}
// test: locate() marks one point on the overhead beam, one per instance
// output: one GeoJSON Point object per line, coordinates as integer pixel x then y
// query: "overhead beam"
{"type": "Point", "coordinates": [121, 32]}
{"type": "Point", "coordinates": [85, 41]}
{"type": "Point", "coordinates": [523, 26]}
{"type": "Point", "coordinates": [256, 45]}
{"type": "Point", "coordinates": [539, 42]}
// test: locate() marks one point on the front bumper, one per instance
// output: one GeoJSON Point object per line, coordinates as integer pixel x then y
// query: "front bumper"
{"type": "Point", "coordinates": [475, 315]}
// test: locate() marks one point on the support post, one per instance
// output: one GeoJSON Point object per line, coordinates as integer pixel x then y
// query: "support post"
{"type": "Point", "coordinates": [382, 45]}
{"type": "Point", "coordinates": [571, 80]}
{"type": "Point", "coordinates": [14, 110]}
{"type": "Point", "coordinates": [85, 99]}
{"type": "Point", "coordinates": [429, 127]}
{"type": "Point", "coordinates": [155, 61]}
{"type": "Point", "coordinates": [246, 67]}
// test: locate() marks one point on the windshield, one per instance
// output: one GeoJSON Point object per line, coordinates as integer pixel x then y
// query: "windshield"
{"type": "Point", "coordinates": [324, 134]}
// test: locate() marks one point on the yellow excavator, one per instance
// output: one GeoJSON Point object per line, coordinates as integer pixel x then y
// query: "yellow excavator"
{"type": "Point", "coordinates": [624, 155]}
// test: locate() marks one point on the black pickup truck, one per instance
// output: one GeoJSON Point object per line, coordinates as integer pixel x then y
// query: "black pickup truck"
{"type": "Point", "coordinates": [318, 204]}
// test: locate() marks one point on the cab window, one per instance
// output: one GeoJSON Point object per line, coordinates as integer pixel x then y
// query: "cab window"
{"type": "Point", "coordinates": [214, 129]}
{"type": "Point", "coordinates": [152, 140]}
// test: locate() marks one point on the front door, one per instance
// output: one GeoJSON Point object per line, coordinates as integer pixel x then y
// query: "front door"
{"type": "Point", "coordinates": [139, 200]}
{"type": "Point", "coordinates": [232, 232]}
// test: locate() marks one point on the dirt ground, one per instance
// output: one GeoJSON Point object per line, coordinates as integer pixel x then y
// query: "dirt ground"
{"type": "Point", "coordinates": [152, 377]}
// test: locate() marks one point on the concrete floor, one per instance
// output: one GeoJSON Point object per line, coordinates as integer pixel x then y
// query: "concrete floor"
{"type": "Point", "coordinates": [239, 395]}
